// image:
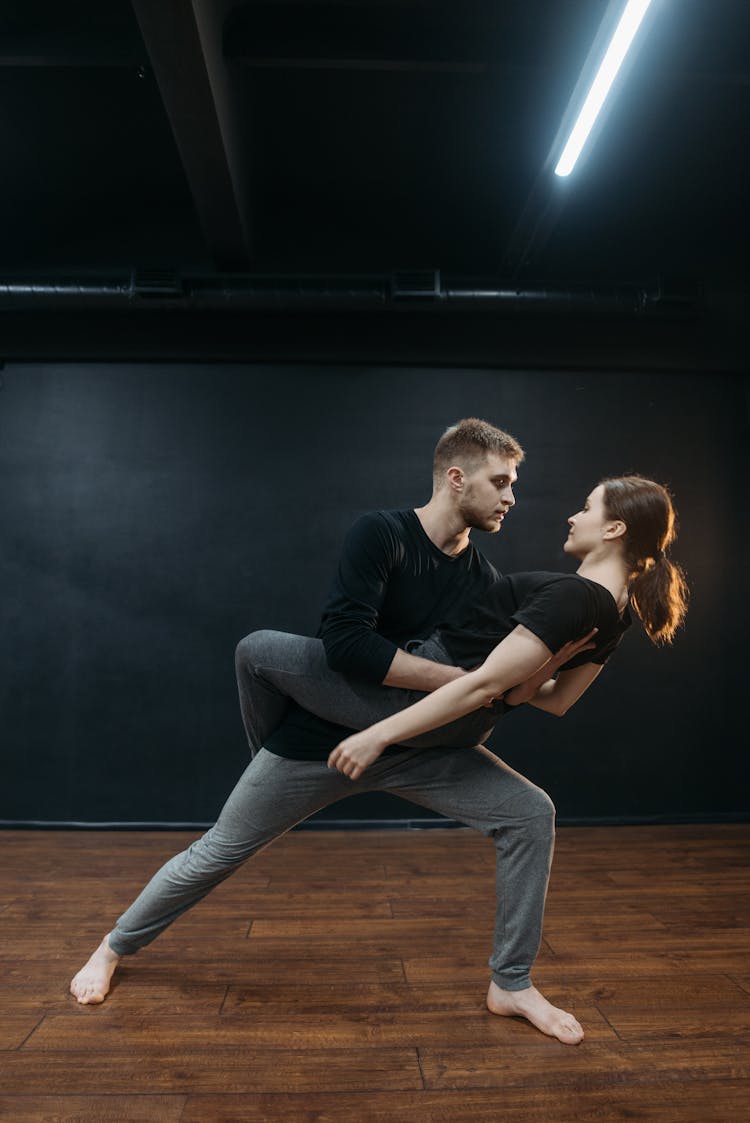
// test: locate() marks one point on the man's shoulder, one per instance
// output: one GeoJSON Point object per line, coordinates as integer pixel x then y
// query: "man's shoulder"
{"type": "Point", "coordinates": [387, 521]}
{"type": "Point", "coordinates": [384, 534]}
{"type": "Point", "coordinates": [394, 515]}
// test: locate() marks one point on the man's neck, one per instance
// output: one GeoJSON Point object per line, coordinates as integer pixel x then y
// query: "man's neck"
{"type": "Point", "coordinates": [444, 527]}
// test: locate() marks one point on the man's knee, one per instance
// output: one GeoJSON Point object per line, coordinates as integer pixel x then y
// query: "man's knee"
{"type": "Point", "coordinates": [540, 804]}
{"type": "Point", "coordinates": [532, 807]}
{"type": "Point", "coordinates": [258, 649]}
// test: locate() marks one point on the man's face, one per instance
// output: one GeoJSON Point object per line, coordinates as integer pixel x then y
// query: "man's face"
{"type": "Point", "coordinates": [487, 493]}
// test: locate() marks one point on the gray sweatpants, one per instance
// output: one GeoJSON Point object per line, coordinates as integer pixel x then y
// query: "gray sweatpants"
{"type": "Point", "coordinates": [470, 785]}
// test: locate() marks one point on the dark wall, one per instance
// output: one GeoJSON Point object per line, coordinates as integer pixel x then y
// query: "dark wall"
{"type": "Point", "coordinates": [153, 514]}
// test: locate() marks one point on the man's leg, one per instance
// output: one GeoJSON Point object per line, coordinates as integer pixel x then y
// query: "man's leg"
{"type": "Point", "coordinates": [273, 667]}
{"type": "Point", "coordinates": [474, 787]}
{"type": "Point", "coordinates": [271, 796]}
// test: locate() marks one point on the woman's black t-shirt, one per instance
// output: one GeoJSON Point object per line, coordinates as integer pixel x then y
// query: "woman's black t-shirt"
{"type": "Point", "coordinates": [556, 607]}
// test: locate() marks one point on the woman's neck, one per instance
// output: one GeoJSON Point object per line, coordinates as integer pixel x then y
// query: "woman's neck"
{"type": "Point", "coordinates": [609, 572]}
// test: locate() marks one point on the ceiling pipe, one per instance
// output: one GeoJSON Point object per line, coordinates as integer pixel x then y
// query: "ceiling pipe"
{"type": "Point", "coordinates": [160, 290]}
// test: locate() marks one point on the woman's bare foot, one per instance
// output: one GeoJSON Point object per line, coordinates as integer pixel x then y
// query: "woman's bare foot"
{"type": "Point", "coordinates": [534, 1006]}
{"type": "Point", "coordinates": [91, 984]}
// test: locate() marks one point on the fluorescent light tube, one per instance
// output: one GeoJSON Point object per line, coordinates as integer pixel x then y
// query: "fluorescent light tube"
{"type": "Point", "coordinates": [629, 23]}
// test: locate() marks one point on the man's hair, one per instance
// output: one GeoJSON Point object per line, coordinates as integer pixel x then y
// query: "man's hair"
{"type": "Point", "coordinates": [468, 443]}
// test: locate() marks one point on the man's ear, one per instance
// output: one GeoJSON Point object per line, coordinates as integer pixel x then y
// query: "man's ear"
{"type": "Point", "coordinates": [614, 530]}
{"type": "Point", "coordinates": [455, 478]}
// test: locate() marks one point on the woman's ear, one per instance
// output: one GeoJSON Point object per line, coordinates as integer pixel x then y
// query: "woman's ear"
{"type": "Point", "coordinates": [615, 529]}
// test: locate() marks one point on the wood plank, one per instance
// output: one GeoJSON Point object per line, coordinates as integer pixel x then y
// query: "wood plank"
{"type": "Point", "coordinates": [571, 909]}
{"type": "Point", "coordinates": [136, 991]}
{"type": "Point", "coordinates": [15, 942]}
{"type": "Point", "coordinates": [552, 967]}
{"type": "Point", "coordinates": [659, 991]}
{"type": "Point", "coordinates": [355, 997]}
{"type": "Point", "coordinates": [595, 1064]}
{"type": "Point", "coordinates": [629, 923]}
{"type": "Point", "coordinates": [731, 912]}
{"type": "Point", "coordinates": [709, 960]}
{"type": "Point", "coordinates": [251, 965]}
{"type": "Point", "coordinates": [86, 886]}
{"type": "Point", "coordinates": [443, 969]}
{"type": "Point", "coordinates": [93, 1109]}
{"type": "Point", "coordinates": [160, 1070]}
{"type": "Point", "coordinates": [378, 930]}
{"type": "Point", "coordinates": [386, 946]}
{"type": "Point", "coordinates": [595, 940]}
{"type": "Point", "coordinates": [428, 886]}
{"type": "Point", "coordinates": [106, 1030]}
{"type": "Point", "coordinates": [678, 1020]}
{"type": "Point", "coordinates": [682, 882]}
{"type": "Point", "coordinates": [708, 1102]}
{"type": "Point", "coordinates": [633, 989]}
{"type": "Point", "coordinates": [16, 1027]}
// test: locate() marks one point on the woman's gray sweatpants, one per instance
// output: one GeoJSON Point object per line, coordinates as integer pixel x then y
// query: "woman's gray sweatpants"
{"type": "Point", "coordinates": [469, 785]}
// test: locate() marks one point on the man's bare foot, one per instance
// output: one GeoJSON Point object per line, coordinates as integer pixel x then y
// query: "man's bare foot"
{"type": "Point", "coordinates": [91, 984]}
{"type": "Point", "coordinates": [534, 1006]}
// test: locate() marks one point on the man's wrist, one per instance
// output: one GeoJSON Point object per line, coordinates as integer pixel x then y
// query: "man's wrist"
{"type": "Point", "coordinates": [445, 673]}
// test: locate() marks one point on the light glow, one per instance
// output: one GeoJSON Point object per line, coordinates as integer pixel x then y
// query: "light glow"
{"type": "Point", "coordinates": [629, 23]}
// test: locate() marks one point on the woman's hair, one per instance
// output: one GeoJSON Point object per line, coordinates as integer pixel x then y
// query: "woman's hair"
{"type": "Point", "coordinates": [469, 442]}
{"type": "Point", "coordinates": [658, 588]}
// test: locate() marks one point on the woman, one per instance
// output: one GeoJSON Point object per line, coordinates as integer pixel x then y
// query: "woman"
{"type": "Point", "coordinates": [532, 627]}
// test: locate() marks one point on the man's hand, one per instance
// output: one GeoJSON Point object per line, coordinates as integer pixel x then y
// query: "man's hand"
{"type": "Point", "coordinates": [353, 755]}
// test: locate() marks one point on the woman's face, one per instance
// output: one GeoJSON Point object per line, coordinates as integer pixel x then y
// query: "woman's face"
{"type": "Point", "coordinates": [586, 527]}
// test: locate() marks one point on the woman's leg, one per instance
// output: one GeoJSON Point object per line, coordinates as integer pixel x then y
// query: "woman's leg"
{"type": "Point", "coordinates": [274, 667]}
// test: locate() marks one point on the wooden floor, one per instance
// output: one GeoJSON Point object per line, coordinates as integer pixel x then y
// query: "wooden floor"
{"type": "Point", "coordinates": [340, 978]}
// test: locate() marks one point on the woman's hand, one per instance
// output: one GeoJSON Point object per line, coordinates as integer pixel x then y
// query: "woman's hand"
{"type": "Point", "coordinates": [525, 691]}
{"type": "Point", "coordinates": [353, 755]}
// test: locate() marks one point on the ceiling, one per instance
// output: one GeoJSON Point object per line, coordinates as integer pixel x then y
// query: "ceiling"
{"type": "Point", "coordinates": [408, 138]}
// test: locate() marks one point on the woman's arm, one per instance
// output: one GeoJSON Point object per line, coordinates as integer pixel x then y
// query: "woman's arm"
{"type": "Point", "coordinates": [520, 655]}
{"type": "Point", "coordinates": [554, 695]}
{"type": "Point", "coordinates": [527, 691]}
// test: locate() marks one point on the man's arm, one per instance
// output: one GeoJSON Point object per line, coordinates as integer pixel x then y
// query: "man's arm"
{"type": "Point", "coordinates": [351, 615]}
{"type": "Point", "coordinates": [411, 672]}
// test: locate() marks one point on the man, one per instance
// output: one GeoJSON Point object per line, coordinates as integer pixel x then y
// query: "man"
{"type": "Point", "coordinates": [401, 575]}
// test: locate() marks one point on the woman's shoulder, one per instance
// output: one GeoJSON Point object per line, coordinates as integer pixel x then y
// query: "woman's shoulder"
{"type": "Point", "coordinates": [531, 581]}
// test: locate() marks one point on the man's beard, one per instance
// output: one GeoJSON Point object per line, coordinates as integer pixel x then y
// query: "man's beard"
{"type": "Point", "coordinates": [479, 520]}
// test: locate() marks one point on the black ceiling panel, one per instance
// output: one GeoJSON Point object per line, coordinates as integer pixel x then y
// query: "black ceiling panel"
{"type": "Point", "coordinates": [360, 137]}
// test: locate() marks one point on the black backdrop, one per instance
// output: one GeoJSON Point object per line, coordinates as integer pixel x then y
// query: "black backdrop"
{"type": "Point", "coordinates": [152, 514]}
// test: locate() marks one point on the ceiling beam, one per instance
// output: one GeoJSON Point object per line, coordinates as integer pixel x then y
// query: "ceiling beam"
{"type": "Point", "coordinates": [183, 40]}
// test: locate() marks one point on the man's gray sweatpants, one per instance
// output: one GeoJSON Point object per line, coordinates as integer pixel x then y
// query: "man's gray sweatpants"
{"type": "Point", "coordinates": [466, 783]}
